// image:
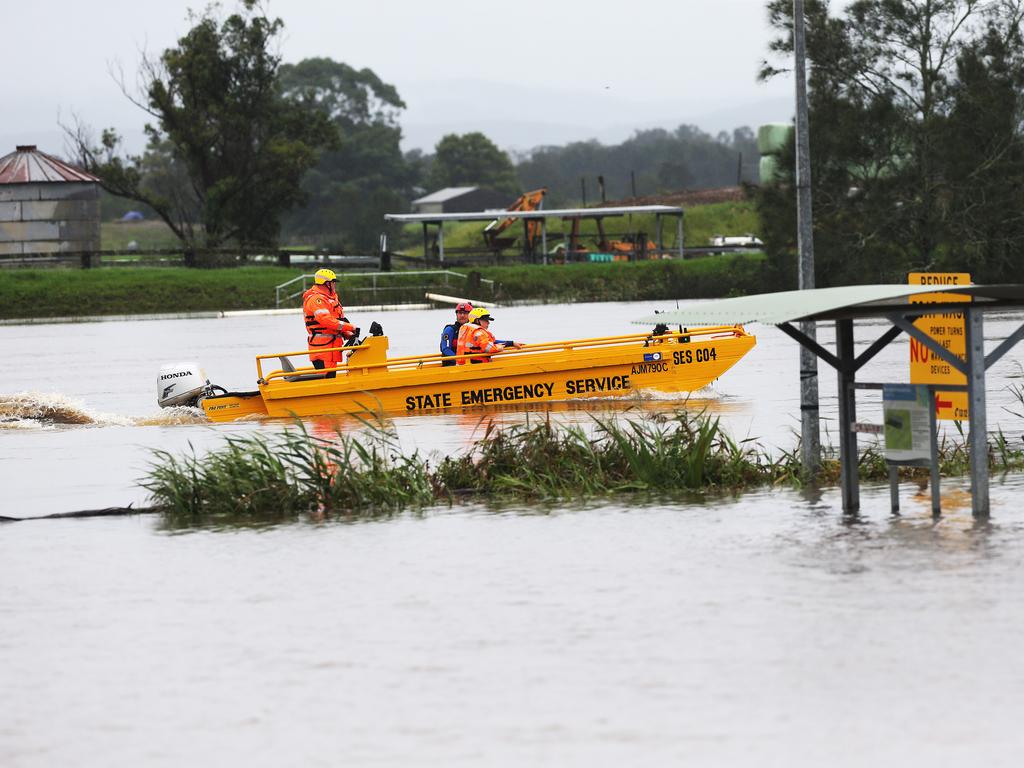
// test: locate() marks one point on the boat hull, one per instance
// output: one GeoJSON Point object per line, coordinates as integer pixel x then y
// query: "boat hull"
{"type": "Point", "coordinates": [549, 375]}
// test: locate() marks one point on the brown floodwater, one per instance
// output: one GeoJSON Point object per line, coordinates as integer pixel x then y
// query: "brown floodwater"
{"type": "Point", "coordinates": [758, 629]}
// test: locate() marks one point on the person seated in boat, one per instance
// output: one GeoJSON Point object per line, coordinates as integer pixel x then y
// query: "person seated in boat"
{"type": "Point", "coordinates": [475, 336]}
{"type": "Point", "coordinates": [450, 333]}
{"type": "Point", "coordinates": [326, 324]}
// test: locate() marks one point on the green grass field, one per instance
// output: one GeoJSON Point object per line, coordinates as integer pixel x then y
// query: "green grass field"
{"type": "Point", "coordinates": [149, 235]}
{"type": "Point", "coordinates": [700, 223]}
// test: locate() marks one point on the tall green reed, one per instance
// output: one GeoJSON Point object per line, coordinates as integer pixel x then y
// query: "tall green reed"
{"type": "Point", "coordinates": [260, 479]}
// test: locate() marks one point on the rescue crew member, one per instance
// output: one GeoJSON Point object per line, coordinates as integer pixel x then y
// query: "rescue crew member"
{"type": "Point", "coordinates": [326, 324]}
{"type": "Point", "coordinates": [475, 336]}
{"type": "Point", "coordinates": [450, 333]}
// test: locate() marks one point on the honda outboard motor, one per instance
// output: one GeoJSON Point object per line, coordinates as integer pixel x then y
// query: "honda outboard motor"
{"type": "Point", "coordinates": [181, 384]}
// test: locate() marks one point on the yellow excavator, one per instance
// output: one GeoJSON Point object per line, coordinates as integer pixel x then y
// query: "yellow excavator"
{"type": "Point", "coordinates": [528, 201]}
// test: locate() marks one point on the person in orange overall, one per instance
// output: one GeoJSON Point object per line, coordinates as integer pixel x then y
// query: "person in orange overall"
{"type": "Point", "coordinates": [326, 324]}
{"type": "Point", "coordinates": [475, 336]}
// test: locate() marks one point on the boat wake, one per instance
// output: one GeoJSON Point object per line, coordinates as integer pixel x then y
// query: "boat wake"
{"type": "Point", "coordinates": [35, 410]}
{"type": "Point", "coordinates": [705, 393]}
{"type": "Point", "coordinates": [179, 414]}
{"type": "Point", "coordinates": [25, 410]}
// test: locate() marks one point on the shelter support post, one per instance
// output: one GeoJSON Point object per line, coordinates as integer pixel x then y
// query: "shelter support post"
{"type": "Point", "coordinates": [846, 373]}
{"type": "Point", "coordinates": [426, 242]}
{"type": "Point", "coordinates": [440, 241]}
{"type": "Point", "coordinates": [978, 437]}
{"type": "Point", "coordinates": [544, 239]}
{"type": "Point", "coordinates": [658, 228]}
{"type": "Point", "coordinates": [679, 235]}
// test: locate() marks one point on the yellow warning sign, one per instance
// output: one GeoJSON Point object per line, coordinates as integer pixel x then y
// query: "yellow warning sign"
{"type": "Point", "coordinates": [947, 329]}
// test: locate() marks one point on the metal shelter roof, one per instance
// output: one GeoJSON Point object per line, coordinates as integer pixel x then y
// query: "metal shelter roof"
{"type": "Point", "coordinates": [565, 213]}
{"type": "Point", "coordinates": [846, 304]}
{"type": "Point", "coordinates": [27, 165]}
{"type": "Point", "coordinates": [848, 301]}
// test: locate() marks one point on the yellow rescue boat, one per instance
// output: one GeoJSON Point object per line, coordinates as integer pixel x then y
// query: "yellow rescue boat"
{"type": "Point", "coordinates": [610, 366]}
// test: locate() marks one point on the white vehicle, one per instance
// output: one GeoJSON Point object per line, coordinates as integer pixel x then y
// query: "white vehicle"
{"type": "Point", "coordinates": [740, 241]}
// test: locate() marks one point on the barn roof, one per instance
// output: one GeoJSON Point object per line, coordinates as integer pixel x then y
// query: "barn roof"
{"type": "Point", "coordinates": [27, 165]}
{"type": "Point", "coordinates": [443, 195]}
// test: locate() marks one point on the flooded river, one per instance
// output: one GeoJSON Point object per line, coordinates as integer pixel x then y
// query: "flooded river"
{"type": "Point", "coordinates": [763, 629]}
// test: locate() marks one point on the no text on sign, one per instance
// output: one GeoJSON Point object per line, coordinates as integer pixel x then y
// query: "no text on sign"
{"type": "Point", "coordinates": [948, 329]}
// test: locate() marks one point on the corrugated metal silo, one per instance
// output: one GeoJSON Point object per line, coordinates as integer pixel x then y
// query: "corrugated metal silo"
{"type": "Point", "coordinates": [46, 205]}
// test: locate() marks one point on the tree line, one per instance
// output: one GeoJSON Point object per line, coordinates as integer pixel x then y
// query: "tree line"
{"type": "Point", "coordinates": [916, 119]}
{"type": "Point", "coordinates": [244, 149]}
{"type": "Point", "coordinates": [916, 115]}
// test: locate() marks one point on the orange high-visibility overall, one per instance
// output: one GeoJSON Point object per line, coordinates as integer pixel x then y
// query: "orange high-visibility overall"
{"type": "Point", "coordinates": [475, 338]}
{"type": "Point", "coordinates": [326, 325]}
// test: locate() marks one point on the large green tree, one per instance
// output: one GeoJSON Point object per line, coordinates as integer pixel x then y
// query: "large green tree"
{"type": "Point", "coordinates": [471, 159]}
{"type": "Point", "coordinates": [227, 149]}
{"type": "Point", "coordinates": [890, 112]}
{"type": "Point", "coordinates": [984, 152]}
{"type": "Point", "coordinates": [365, 175]}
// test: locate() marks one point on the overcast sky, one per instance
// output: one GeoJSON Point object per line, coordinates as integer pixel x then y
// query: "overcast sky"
{"type": "Point", "coordinates": [526, 74]}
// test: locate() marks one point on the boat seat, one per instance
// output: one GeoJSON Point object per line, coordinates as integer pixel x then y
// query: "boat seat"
{"type": "Point", "coordinates": [287, 367]}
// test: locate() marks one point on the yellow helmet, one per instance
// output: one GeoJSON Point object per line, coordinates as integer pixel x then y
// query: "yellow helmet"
{"type": "Point", "coordinates": [322, 276]}
{"type": "Point", "coordinates": [478, 313]}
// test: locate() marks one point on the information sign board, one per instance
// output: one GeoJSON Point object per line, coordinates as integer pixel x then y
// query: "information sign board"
{"type": "Point", "coordinates": [907, 429]}
{"type": "Point", "coordinates": [947, 329]}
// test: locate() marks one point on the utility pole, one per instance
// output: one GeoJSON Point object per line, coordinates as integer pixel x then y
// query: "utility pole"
{"type": "Point", "coordinates": [810, 435]}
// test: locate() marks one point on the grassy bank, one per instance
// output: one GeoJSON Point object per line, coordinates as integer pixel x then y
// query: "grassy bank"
{"type": "Point", "coordinates": [30, 293]}
{"type": "Point", "coordinates": [700, 278]}
{"type": "Point", "coordinates": [147, 235]}
{"type": "Point", "coordinates": [136, 290]}
{"type": "Point", "coordinates": [700, 224]}
{"type": "Point", "coordinates": [294, 476]}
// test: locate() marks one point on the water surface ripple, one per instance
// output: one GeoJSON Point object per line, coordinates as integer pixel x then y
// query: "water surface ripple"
{"type": "Point", "coordinates": [764, 629]}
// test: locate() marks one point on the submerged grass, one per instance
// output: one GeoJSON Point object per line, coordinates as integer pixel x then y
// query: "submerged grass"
{"type": "Point", "coordinates": [295, 475]}
{"type": "Point", "coordinates": [260, 480]}
{"type": "Point", "coordinates": [661, 454]}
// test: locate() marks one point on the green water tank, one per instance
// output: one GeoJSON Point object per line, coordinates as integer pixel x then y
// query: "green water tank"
{"type": "Point", "coordinates": [773, 138]}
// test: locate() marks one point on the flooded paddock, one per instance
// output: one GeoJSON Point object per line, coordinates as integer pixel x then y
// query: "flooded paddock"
{"type": "Point", "coordinates": [758, 629]}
